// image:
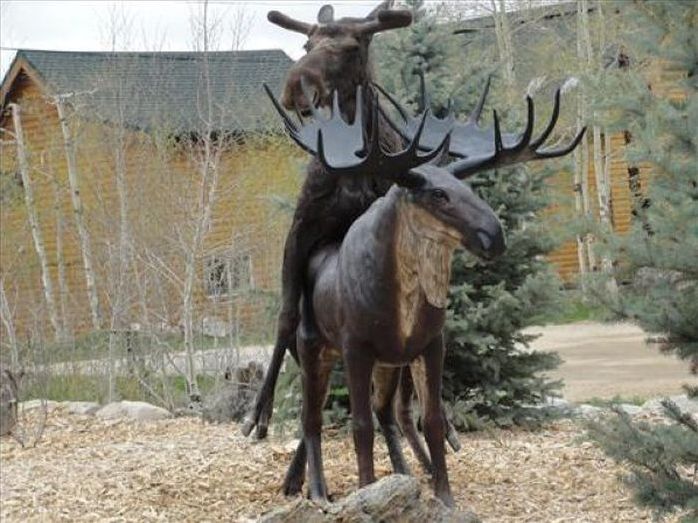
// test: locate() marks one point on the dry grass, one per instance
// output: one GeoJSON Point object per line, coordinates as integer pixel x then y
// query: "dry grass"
{"type": "Point", "coordinates": [183, 470]}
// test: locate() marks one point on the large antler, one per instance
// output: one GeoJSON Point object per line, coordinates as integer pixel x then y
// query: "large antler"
{"type": "Point", "coordinates": [341, 148]}
{"type": "Point", "coordinates": [480, 148]}
{"type": "Point", "coordinates": [382, 18]}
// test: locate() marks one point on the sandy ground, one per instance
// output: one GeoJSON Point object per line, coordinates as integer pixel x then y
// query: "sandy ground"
{"type": "Point", "coordinates": [85, 469]}
{"type": "Point", "coordinates": [607, 360]}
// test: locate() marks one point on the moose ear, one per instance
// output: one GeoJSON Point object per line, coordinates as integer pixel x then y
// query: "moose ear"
{"type": "Point", "coordinates": [412, 179]}
{"type": "Point", "coordinates": [326, 14]}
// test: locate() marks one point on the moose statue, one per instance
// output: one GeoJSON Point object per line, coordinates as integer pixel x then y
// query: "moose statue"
{"type": "Point", "coordinates": [367, 261]}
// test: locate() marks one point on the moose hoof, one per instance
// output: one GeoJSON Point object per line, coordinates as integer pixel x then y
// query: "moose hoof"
{"type": "Point", "coordinates": [447, 499]}
{"type": "Point", "coordinates": [293, 488]}
{"type": "Point", "coordinates": [247, 426]}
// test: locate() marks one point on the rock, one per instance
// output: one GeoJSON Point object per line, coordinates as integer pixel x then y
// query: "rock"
{"type": "Point", "coordinates": [558, 403]}
{"type": "Point", "coordinates": [395, 498]}
{"type": "Point", "coordinates": [137, 410]}
{"type": "Point", "coordinates": [236, 395]}
{"type": "Point", "coordinates": [588, 411]}
{"type": "Point", "coordinates": [629, 409]}
{"type": "Point", "coordinates": [686, 404]}
{"type": "Point", "coordinates": [83, 408]}
{"type": "Point", "coordinates": [49, 405]}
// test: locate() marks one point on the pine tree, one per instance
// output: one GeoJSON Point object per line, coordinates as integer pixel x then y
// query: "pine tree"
{"type": "Point", "coordinates": [659, 256]}
{"type": "Point", "coordinates": [658, 259]}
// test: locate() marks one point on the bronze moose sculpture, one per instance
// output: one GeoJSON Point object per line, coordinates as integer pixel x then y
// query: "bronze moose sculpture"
{"type": "Point", "coordinates": [378, 297]}
{"type": "Point", "coordinates": [333, 249]}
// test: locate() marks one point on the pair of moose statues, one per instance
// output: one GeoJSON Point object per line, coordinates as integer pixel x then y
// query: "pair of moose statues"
{"type": "Point", "coordinates": [366, 264]}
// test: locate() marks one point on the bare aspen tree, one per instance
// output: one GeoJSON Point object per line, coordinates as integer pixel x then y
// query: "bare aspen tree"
{"type": "Point", "coordinates": [33, 216]}
{"type": "Point", "coordinates": [78, 214]}
{"type": "Point", "coordinates": [7, 319]}
{"type": "Point", "coordinates": [505, 47]}
{"type": "Point", "coordinates": [581, 156]}
{"type": "Point", "coordinates": [206, 155]}
{"type": "Point", "coordinates": [60, 261]}
{"type": "Point", "coordinates": [600, 145]}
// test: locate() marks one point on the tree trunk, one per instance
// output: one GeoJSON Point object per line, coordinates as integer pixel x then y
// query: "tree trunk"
{"type": "Point", "coordinates": [60, 261]}
{"type": "Point", "coordinates": [8, 322]}
{"type": "Point", "coordinates": [601, 174]}
{"type": "Point", "coordinates": [33, 216]}
{"type": "Point", "coordinates": [505, 46]}
{"type": "Point", "coordinates": [76, 200]}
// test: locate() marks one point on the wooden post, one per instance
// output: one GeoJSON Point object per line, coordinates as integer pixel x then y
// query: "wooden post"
{"type": "Point", "coordinates": [33, 216]}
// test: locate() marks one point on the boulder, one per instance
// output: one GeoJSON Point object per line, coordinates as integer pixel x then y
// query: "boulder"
{"type": "Point", "coordinates": [234, 398]}
{"type": "Point", "coordinates": [396, 498]}
{"type": "Point", "coordinates": [137, 410]}
{"type": "Point", "coordinates": [49, 405]}
{"type": "Point", "coordinates": [588, 411]}
{"type": "Point", "coordinates": [83, 408]}
{"type": "Point", "coordinates": [630, 409]}
{"type": "Point", "coordinates": [686, 404]}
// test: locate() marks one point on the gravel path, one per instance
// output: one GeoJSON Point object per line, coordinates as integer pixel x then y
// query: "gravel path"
{"type": "Point", "coordinates": [606, 360]}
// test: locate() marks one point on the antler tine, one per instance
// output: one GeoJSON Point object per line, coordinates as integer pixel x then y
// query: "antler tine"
{"type": "Point", "coordinates": [498, 142]}
{"type": "Point", "coordinates": [359, 109]}
{"type": "Point", "coordinates": [387, 19]}
{"type": "Point", "coordinates": [335, 103]}
{"type": "Point", "coordinates": [413, 147]}
{"type": "Point", "coordinates": [551, 124]}
{"type": "Point", "coordinates": [424, 101]}
{"type": "Point", "coordinates": [395, 103]}
{"type": "Point", "coordinates": [282, 112]}
{"type": "Point", "coordinates": [564, 150]}
{"type": "Point", "coordinates": [475, 115]}
{"type": "Point", "coordinates": [285, 21]}
{"type": "Point", "coordinates": [528, 131]}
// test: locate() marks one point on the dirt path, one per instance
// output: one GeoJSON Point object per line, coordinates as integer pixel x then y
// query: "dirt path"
{"type": "Point", "coordinates": [607, 360]}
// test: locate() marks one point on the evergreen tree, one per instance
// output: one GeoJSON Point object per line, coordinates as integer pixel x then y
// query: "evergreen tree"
{"type": "Point", "coordinates": [487, 372]}
{"type": "Point", "coordinates": [658, 259]}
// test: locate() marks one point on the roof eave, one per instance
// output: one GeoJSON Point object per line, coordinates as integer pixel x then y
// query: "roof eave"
{"type": "Point", "coordinates": [20, 64]}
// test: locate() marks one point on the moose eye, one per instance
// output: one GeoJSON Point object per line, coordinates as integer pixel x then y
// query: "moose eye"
{"type": "Point", "coordinates": [307, 46]}
{"type": "Point", "coordinates": [439, 195]}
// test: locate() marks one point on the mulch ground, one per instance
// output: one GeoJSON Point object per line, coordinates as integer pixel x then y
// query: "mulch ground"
{"type": "Point", "coordinates": [184, 470]}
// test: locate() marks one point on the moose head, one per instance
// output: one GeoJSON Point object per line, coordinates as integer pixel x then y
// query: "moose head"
{"type": "Point", "coordinates": [337, 54]}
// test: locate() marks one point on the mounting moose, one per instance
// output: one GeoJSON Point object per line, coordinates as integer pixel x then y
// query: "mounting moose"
{"type": "Point", "coordinates": [367, 260]}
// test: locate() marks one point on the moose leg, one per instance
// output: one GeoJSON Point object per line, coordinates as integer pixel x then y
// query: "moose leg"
{"type": "Point", "coordinates": [295, 475]}
{"type": "Point", "coordinates": [296, 252]}
{"type": "Point", "coordinates": [316, 364]}
{"type": "Point", "coordinates": [358, 371]}
{"type": "Point", "coordinates": [385, 382]}
{"type": "Point", "coordinates": [434, 422]}
{"type": "Point", "coordinates": [403, 406]}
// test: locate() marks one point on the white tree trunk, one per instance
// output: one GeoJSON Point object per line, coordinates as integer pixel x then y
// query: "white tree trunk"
{"type": "Point", "coordinates": [9, 323]}
{"type": "Point", "coordinates": [505, 46]}
{"type": "Point", "coordinates": [60, 261]}
{"type": "Point", "coordinates": [90, 280]}
{"type": "Point", "coordinates": [33, 216]}
{"type": "Point", "coordinates": [601, 174]}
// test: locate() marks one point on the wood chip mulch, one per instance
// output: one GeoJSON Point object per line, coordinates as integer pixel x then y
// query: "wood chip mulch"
{"type": "Point", "coordinates": [185, 470]}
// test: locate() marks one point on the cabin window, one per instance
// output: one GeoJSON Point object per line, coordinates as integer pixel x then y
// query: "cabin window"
{"type": "Point", "coordinates": [224, 274]}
